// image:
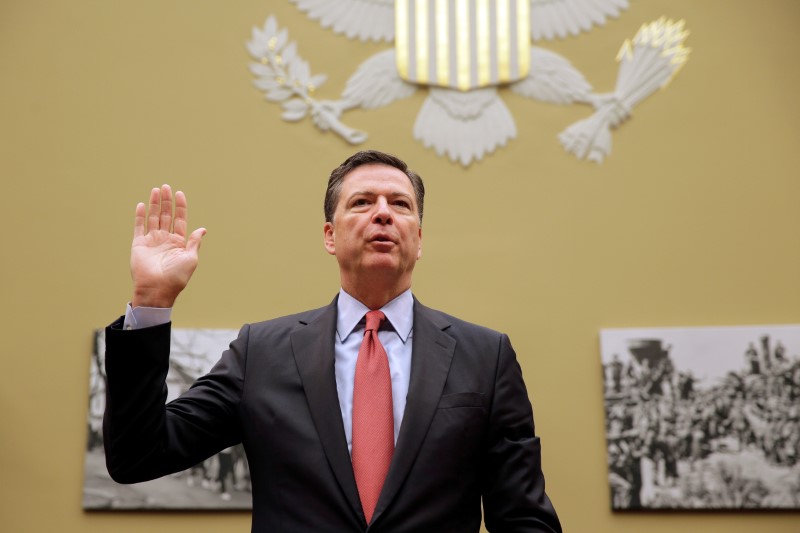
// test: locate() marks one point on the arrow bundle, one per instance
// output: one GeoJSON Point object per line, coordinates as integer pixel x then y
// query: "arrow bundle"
{"type": "Point", "coordinates": [647, 63]}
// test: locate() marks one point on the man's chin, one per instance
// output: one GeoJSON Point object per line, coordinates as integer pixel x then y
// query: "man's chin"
{"type": "Point", "coordinates": [383, 262]}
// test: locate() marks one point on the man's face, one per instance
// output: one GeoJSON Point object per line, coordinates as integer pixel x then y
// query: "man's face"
{"type": "Point", "coordinates": [375, 233]}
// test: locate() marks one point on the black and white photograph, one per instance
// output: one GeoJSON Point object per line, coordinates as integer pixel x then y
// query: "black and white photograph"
{"type": "Point", "coordinates": [702, 418]}
{"type": "Point", "coordinates": [220, 482]}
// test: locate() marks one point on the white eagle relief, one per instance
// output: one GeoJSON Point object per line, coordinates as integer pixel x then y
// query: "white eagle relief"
{"type": "Point", "coordinates": [465, 53]}
{"type": "Point", "coordinates": [365, 20]}
{"type": "Point", "coordinates": [464, 125]}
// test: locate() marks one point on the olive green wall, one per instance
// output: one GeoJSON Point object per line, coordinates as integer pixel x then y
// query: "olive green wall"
{"type": "Point", "coordinates": [693, 220]}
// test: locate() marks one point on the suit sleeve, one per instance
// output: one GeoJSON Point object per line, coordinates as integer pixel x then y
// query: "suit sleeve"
{"type": "Point", "coordinates": [513, 485]}
{"type": "Point", "coordinates": [144, 438]}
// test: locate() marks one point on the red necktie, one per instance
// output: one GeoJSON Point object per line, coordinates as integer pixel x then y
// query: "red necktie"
{"type": "Point", "coordinates": [373, 418]}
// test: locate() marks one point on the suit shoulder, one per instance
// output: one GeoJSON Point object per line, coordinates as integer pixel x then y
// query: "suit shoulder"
{"type": "Point", "coordinates": [288, 322]}
{"type": "Point", "coordinates": [460, 326]}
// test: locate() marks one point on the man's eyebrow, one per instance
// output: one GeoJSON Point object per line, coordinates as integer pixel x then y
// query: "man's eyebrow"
{"type": "Point", "coordinates": [373, 193]}
{"type": "Point", "coordinates": [360, 193]}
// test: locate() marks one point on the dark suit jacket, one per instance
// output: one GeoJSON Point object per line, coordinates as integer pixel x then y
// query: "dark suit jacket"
{"type": "Point", "coordinates": [467, 431]}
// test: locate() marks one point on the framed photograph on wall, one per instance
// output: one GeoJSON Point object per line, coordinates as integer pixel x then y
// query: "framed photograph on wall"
{"type": "Point", "coordinates": [702, 418]}
{"type": "Point", "coordinates": [220, 482]}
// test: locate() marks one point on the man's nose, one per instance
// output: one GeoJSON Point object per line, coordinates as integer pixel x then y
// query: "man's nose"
{"type": "Point", "coordinates": [382, 213]}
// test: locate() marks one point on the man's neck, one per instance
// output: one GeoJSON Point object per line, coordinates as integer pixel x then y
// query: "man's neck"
{"type": "Point", "coordinates": [374, 298]}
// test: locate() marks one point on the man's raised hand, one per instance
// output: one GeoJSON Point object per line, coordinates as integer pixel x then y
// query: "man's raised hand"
{"type": "Point", "coordinates": [162, 258]}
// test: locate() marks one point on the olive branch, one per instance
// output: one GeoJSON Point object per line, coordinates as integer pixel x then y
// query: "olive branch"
{"type": "Point", "coordinates": [285, 77]}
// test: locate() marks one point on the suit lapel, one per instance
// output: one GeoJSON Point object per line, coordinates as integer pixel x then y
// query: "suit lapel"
{"type": "Point", "coordinates": [432, 352]}
{"type": "Point", "coordinates": [313, 347]}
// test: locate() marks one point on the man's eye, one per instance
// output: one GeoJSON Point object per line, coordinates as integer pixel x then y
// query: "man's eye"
{"type": "Point", "coordinates": [360, 202]}
{"type": "Point", "coordinates": [403, 204]}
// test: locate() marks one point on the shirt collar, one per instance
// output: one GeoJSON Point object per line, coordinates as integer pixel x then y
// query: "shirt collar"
{"type": "Point", "coordinates": [399, 312]}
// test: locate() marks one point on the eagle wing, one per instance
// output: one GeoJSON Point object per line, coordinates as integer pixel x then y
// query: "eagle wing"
{"type": "Point", "coordinates": [552, 79]}
{"type": "Point", "coordinates": [559, 18]}
{"type": "Point", "coordinates": [366, 20]}
{"type": "Point", "coordinates": [376, 83]}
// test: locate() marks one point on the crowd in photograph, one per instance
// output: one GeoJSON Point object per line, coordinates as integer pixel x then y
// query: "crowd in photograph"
{"type": "Point", "coordinates": [224, 477]}
{"type": "Point", "coordinates": [222, 473]}
{"type": "Point", "coordinates": [674, 442]}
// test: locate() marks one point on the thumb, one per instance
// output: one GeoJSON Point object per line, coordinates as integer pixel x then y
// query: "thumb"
{"type": "Point", "coordinates": [193, 244]}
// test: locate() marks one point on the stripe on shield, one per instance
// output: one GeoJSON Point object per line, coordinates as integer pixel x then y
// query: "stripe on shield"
{"type": "Point", "coordinates": [462, 44]}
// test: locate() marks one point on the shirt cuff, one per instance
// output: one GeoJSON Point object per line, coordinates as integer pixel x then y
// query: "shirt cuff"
{"type": "Point", "coordinates": [146, 317]}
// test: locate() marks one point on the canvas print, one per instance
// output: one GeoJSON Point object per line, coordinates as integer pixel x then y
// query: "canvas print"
{"type": "Point", "coordinates": [702, 418]}
{"type": "Point", "coordinates": [220, 482]}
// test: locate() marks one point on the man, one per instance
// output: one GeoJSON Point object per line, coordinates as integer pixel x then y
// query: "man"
{"type": "Point", "coordinates": [337, 439]}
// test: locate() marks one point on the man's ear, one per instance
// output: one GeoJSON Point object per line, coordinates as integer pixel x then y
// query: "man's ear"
{"type": "Point", "coordinates": [419, 250]}
{"type": "Point", "coordinates": [330, 241]}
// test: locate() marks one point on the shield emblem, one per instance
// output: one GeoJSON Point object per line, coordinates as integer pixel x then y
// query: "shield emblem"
{"type": "Point", "coordinates": [462, 44]}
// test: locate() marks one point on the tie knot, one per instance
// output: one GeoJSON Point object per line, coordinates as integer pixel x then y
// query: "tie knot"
{"type": "Point", "coordinates": [374, 319]}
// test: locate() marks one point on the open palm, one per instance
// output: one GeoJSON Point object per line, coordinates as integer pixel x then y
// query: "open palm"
{"type": "Point", "coordinates": [162, 258]}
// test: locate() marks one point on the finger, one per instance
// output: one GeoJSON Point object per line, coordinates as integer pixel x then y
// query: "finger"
{"type": "Point", "coordinates": [138, 223]}
{"type": "Point", "coordinates": [155, 210]}
{"type": "Point", "coordinates": [165, 220]}
{"type": "Point", "coordinates": [181, 213]}
{"type": "Point", "coordinates": [193, 244]}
